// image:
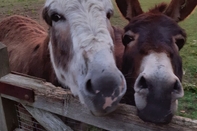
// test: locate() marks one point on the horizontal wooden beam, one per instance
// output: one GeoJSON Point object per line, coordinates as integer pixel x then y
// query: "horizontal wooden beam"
{"type": "Point", "coordinates": [59, 101]}
{"type": "Point", "coordinates": [16, 91]}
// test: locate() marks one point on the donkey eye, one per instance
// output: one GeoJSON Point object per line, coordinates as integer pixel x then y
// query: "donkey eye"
{"type": "Point", "coordinates": [127, 39]}
{"type": "Point", "coordinates": [109, 14]}
{"type": "Point", "coordinates": [56, 17]}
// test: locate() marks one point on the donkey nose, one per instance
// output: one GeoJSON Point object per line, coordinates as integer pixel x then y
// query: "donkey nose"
{"type": "Point", "coordinates": [105, 90]}
{"type": "Point", "coordinates": [177, 89]}
{"type": "Point", "coordinates": [89, 87]}
{"type": "Point", "coordinates": [156, 97]}
{"type": "Point", "coordinates": [144, 83]}
{"type": "Point", "coordinates": [108, 85]}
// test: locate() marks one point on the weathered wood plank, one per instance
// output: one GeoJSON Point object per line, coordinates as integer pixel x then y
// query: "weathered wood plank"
{"type": "Point", "coordinates": [49, 121]}
{"type": "Point", "coordinates": [59, 101]}
{"type": "Point", "coordinates": [16, 91]}
{"type": "Point", "coordinates": [4, 61]}
{"type": "Point", "coordinates": [4, 69]}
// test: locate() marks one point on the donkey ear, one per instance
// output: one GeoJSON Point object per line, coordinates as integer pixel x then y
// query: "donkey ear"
{"type": "Point", "coordinates": [180, 9]}
{"type": "Point", "coordinates": [129, 8]}
{"type": "Point", "coordinates": [46, 17]}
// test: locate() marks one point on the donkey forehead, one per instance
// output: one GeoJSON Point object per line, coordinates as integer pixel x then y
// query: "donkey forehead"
{"type": "Point", "coordinates": [149, 23]}
{"type": "Point", "coordinates": [69, 5]}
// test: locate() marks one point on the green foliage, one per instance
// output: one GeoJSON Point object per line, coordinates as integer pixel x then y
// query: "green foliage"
{"type": "Point", "coordinates": [187, 105]}
{"type": "Point", "coordinates": [189, 57]}
{"type": "Point", "coordinates": [11, 7]}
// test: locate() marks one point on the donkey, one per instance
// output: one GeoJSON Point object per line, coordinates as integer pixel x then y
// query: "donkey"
{"type": "Point", "coordinates": [78, 51]}
{"type": "Point", "coordinates": [151, 62]}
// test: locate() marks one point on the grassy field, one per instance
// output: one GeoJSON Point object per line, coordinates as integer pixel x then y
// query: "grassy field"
{"type": "Point", "coordinates": [187, 106]}
{"type": "Point", "coordinates": [28, 8]}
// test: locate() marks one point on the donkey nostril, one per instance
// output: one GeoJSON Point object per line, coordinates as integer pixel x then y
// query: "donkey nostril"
{"type": "Point", "coordinates": [177, 90]}
{"type": "Point", "coordinates": [177, 87]}
{"type": "Point", "coordinates": [89, 87]}
{"type": "Point", "coordinates": [143, 83]}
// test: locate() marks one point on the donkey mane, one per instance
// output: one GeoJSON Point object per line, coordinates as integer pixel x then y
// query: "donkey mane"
{"type": "Point", "coordinates": [159, 8]}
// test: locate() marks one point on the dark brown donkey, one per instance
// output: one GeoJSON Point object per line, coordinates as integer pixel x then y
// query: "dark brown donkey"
{"type": "Point", "coordinates": [151, 61]}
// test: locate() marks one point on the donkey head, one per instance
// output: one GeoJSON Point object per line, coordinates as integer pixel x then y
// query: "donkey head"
{"type": "Point", "coordinates": [81, 51]}
{"type": "Point", "coordinates": [151, 61]}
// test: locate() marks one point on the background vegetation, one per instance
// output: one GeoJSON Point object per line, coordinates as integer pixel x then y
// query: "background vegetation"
{"type": "Point", "coordinates": [187, 105]}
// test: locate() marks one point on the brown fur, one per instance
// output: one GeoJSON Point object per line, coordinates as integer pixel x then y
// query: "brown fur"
{"type": "Point", "coordinates": [62, 57]}
{"type": "Point", "coordinates": [28, 50]}
{"type": "Point", "coordinates": [119, 47]}
{"type": "Point", "coordinates": [159, 8]}
{"type": "Point", "coordinates": [155, 31]}
{"type": "Point", "coordinates": [180, 9]}
{"type": "Point", "coordinates": [122, 5]}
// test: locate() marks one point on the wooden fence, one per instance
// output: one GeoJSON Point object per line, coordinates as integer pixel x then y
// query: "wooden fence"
{"type": "Point", "coordinates": [45, 101]}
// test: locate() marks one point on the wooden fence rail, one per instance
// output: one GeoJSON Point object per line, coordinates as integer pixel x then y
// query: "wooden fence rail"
{"type": "Point", "coordinates": [49, 100]}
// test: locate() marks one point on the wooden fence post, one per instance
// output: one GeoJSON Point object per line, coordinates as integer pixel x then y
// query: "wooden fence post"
{"type": "Point", "coordinates": [3, 126]}
{"type": "Point", "coordinates": [4, 60]}
{"type": "Point", "coordinates": [4, 69]}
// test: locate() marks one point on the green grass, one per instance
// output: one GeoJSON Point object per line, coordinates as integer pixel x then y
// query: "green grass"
{"type": "Point", "coordinates": [10, 7]}
{"type": "Point", "coordinates": [187, 104]}
{"type": "Point", "coordinates": [12, 3]}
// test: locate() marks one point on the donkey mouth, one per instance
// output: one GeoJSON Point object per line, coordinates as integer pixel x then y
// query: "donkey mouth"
{"type": "Point", "coordinates": [106, 109]}
{"type": "Point", "coordinates": [102, 106]}
{"type": "Point", "coordinates": [157, 116]}
{"type": "Point", "coordinates": [162, 121]}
